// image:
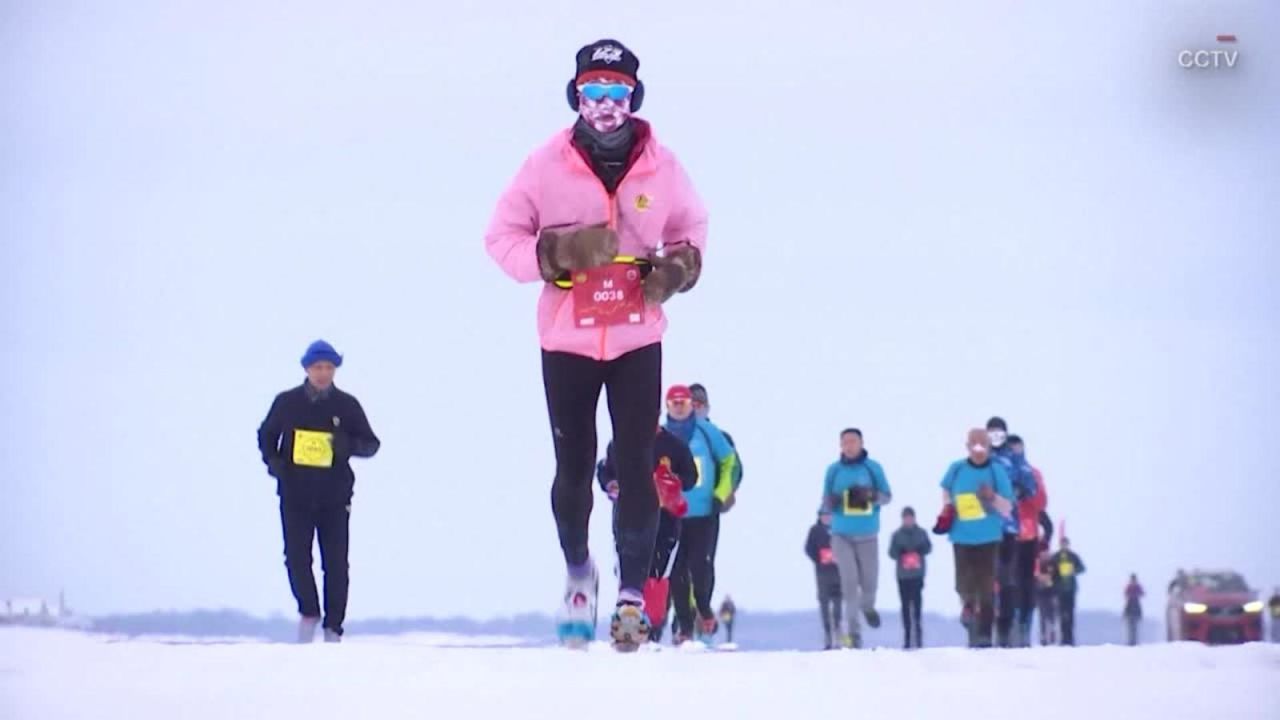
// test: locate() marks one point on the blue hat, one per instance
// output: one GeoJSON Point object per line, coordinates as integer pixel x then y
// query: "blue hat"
{"type": "Point", "coordinates": [320, 351]}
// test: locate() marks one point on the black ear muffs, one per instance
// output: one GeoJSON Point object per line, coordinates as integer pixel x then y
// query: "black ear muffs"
{"type": "Point", "coordinates": [571, 94]}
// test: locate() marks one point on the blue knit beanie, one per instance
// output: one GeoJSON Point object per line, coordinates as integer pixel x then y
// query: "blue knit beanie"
{"type": "Point", "coordinates": [320, 351]}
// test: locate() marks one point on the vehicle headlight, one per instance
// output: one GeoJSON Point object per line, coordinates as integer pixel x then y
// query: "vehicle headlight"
{"type": "Point", "coordinates": [1253, 607]}
{"type": "Point", "coordinates": [1195, 608]}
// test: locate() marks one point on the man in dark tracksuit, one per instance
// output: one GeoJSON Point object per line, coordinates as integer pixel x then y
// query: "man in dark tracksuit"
{"type": "Point", "coordinates": [672, 452]}
{"type": "Point", "coordinates": [307, 441]}
{"type": "Point", "coordinates": [908, 548]}
{"type": "Point", "coordinates": [1066, 565]}
{"type": "Point", "coordinates": [830, 598]}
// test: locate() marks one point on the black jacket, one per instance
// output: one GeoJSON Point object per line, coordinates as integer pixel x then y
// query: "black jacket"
{"type": "Point", "coordinates": [307, 441]}
{"type": "Point", "coordinates": [1066, 567]}
{"type": "Point", "coordinates": [819, 540]}
{"type": "Point", "coordinates": [666, 447]}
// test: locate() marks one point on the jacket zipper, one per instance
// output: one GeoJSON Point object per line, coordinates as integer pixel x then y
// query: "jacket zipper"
{"type": "Point", "coordinates": [613, 225]}
{"type": "Point", "coordinates": [611, 201]}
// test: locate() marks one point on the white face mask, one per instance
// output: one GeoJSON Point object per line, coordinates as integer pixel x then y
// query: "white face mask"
{"type": "Point", "coordinates": [997, 437]}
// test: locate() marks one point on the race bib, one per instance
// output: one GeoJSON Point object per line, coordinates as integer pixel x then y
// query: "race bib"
{"type": "Point", "coordinates": [607, 296]}
{"type": "Point", "coordinates": [312, 449]}
{"type": "Point", "coordinates": [910, 561]}
{"type": "Point", "coordinates": [825, 556]}
{"type": "Point", "coordinates": [1066, 568]}
{"type": "Point", "coordinates": [1028, 527]}
{"type": "Point", "coordinates": [969, 507]}
{"type": "Point", "coordinates": [851, 509]}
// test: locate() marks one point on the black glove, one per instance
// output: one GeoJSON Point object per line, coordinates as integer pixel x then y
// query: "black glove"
{"type": "Point", "coordinates": [277, 467]}
{"type": "Point", "coordinates": [581, 249]}
{"type": "Point", "coordinates": [717, 506]}
{"type": "Point", "coordinates": [341, 445]}
{"type": "Point", "coordinates": [860, 496]}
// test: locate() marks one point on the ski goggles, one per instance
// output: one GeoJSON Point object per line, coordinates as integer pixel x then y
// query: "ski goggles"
{"type": "Point", "coordinates": [596, 92]}
{"type": "Point", "coordinates": [565, 279]}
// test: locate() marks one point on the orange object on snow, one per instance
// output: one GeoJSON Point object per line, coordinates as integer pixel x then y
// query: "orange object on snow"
{"type": "Point", "coordinates": [656, 594]}
{"type": "Point", "coordinates": [670, 495]}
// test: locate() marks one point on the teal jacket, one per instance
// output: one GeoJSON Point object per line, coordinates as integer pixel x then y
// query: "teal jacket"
{"type": "Point", "coordinates": [716, 461]}
{"type": "Point", "coordinates": [908, 548]}
{"type": "Point", "coordinates": [977, 521]}
{"type": "Point", "coordinates": [840, 488]}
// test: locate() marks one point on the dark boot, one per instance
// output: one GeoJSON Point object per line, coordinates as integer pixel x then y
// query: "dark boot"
{"type": "Point", "coordinates": [873, 618]}
{"type": "Point", "coordinates": [981, 637]}
{"type": "Point", "coordinates": [1024, 634]}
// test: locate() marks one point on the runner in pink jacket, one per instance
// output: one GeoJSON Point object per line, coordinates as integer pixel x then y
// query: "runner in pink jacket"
{"type": "Point", "coordinates": [607, 219]}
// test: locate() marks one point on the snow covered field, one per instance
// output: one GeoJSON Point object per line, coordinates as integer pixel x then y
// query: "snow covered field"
{"type": "Point", "coordinates": [48, 674]}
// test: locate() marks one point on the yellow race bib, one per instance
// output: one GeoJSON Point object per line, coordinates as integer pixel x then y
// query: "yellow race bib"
{"type": "Point", "coordinates": [1066, 568]}
{"type": "Point", "coordinates": [969, 507]}
{"type": "Point", "coordinates": [312, 449]}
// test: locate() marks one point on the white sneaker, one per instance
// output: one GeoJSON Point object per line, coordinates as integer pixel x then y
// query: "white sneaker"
{"type": "Point", "coordinates": [576, 620]}
{"type": "Point", "coordinates": [307, 628]}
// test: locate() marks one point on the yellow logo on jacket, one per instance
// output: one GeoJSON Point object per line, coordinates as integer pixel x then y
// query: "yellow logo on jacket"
{"type": "Point", "coordinates": [643, 202]}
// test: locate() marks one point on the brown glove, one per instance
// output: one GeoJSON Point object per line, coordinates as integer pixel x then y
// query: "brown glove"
{"type": "Point", "coordinates": [677, 272]}
{"type": "Point", "coordinates": [581, 249]}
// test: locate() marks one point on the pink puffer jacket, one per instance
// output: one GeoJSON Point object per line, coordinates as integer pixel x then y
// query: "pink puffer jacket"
{"type": "Point", "coordinates": [555, 188]}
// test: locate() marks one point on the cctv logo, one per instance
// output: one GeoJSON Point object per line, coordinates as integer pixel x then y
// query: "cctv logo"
{"type": "Point", "coordinates": [1206, 59]}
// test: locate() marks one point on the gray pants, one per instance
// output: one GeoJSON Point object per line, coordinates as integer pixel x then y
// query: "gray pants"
{"type": "Point", "coordinates": [859, 561]}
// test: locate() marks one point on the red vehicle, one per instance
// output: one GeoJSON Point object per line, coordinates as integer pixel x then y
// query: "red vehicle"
{"type": "Point", "coordinates": [1216, 608]}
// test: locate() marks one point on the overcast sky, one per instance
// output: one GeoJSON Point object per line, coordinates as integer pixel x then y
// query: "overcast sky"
{"type": "Point", "coordinates": [919, 218]}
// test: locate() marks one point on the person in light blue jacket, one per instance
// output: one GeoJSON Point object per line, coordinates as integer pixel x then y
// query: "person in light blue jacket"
{"type": "Point", "coordinates": [695, 571]}
{"type": "Point", "coordinates": [855, 489]}
{"type": "Point", "coordinates": [978, 498]}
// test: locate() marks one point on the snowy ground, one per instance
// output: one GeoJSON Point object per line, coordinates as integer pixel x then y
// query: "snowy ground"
{"type": "Point", "coordinates": [50, 674]}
